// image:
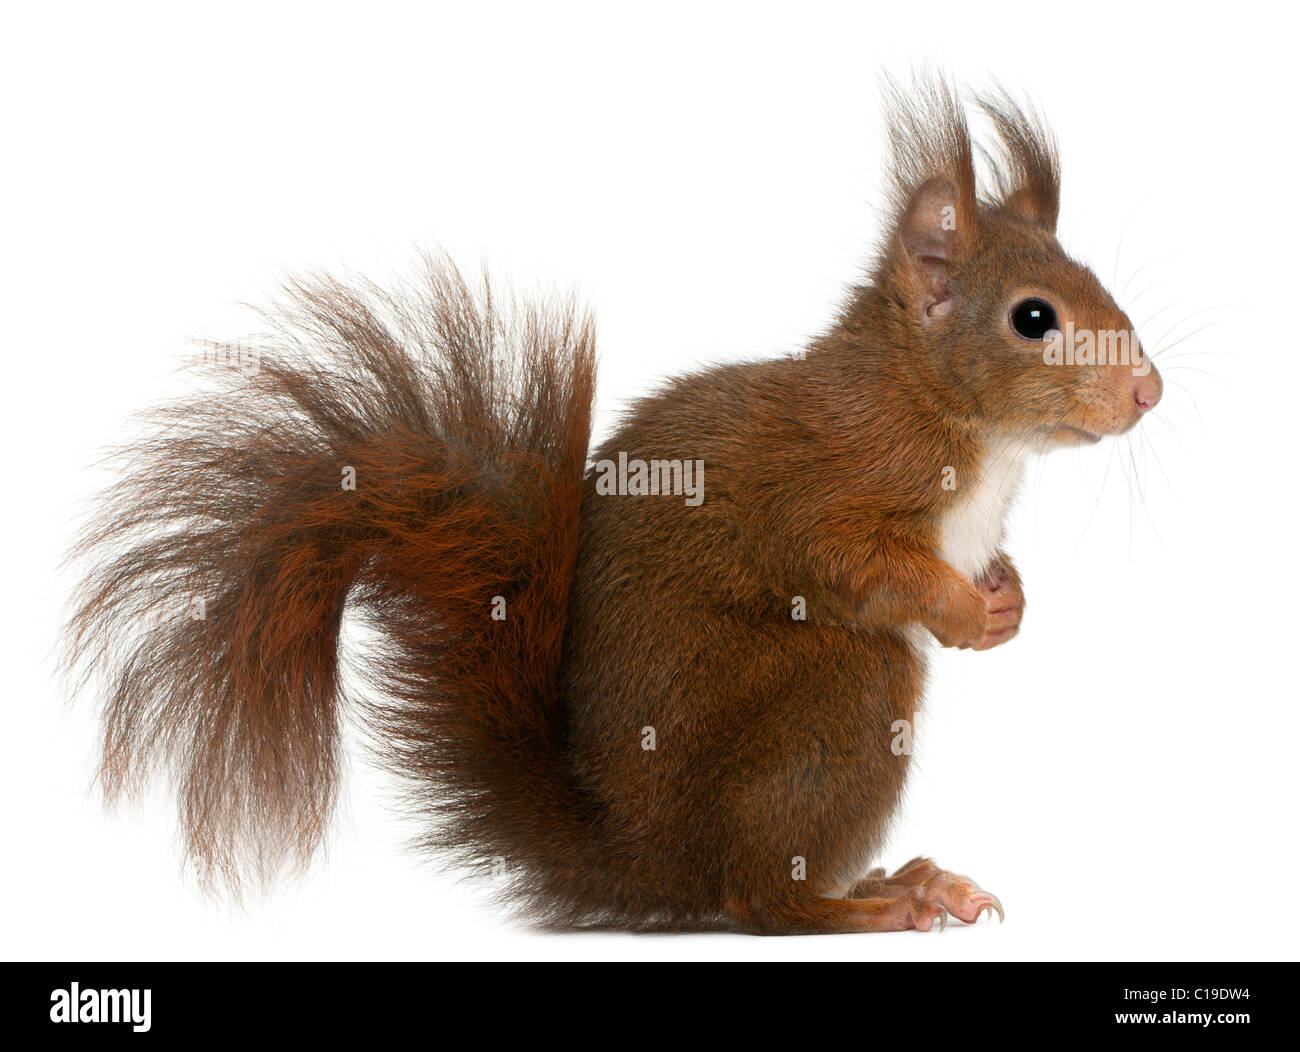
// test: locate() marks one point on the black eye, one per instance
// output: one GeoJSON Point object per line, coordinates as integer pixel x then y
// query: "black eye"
{"type": "Point", "coordinates": [1033, 318]}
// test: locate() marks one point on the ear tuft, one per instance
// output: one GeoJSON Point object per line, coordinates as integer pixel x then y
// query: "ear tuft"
{"type": "Point", "coordinates": [935, 203]}
{"type": "Point", "coordinates": [1028, 170]}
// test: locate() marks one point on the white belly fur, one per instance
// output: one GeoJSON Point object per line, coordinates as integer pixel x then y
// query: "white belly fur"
{"type": "Point", "coordinates": [972, 529]}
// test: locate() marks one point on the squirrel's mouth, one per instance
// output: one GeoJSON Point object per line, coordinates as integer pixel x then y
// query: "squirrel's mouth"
{"type": "Point", "coordinates": [1078, 434]}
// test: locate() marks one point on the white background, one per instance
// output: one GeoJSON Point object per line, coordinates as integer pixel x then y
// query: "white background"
{"type": "Point", "coordinates": [1123, 774]}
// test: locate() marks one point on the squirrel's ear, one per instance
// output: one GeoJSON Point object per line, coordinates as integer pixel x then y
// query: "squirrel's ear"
{"type": "Point", "coordinates": [935, 239]}
{"type": "Point", "coordinates": [1027, 166]}
{"type": "Point", "coordinates": [1033, 204]}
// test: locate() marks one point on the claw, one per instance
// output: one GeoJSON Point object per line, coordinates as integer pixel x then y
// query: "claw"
{"type": "Point", "coordinates": [942, 918]}
{"type": "Point", "coordinates": [996, 905]}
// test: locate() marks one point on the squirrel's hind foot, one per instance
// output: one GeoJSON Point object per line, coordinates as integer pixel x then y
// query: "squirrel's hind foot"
{"type": "Point", "coordinates": [931, 892]}
{"type": "Point", "coordinates": [917, 897]}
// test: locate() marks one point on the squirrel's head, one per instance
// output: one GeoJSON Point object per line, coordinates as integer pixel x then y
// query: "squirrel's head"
{"type": "Point", "coordinates": [997, 318]}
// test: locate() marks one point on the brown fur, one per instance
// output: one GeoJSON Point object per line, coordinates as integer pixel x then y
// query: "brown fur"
{"type": "Point", "coordinates": [524, 736]}
{"type": "Point", "coordinates": [468, 465]}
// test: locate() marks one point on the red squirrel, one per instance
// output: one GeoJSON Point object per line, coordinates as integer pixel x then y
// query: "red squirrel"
{"type": "Point", "coordinates": [658, 686]}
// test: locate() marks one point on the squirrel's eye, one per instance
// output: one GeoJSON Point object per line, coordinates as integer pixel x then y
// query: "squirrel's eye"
{"type": "Point", "coordinates": [1033, 318]}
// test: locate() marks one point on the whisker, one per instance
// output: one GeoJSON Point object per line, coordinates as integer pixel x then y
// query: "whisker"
{"type": "Point", "coordinates": [1188, 317]}
{"type": "Point", "coordinates": [1193, 369]}
{"type": "Point", "coordinates": [1181, 388]}
{"type": "Point", "coordinates": [1152, 317]}
{"type": "Point", "coordinates": [1166, 348]}
{"type": "Point", "coordinates": [1151, 446]}
{"type": "Point", "coordinates": [1128, 485]}
{"type": "Point", "coordinates": [1186, 353]}
{"type": "Point", "coordinates": [1148, 263]}
{"type": "Point", "coordinates": [1154, 285]}
{"type": "Point", "coordinates": [1096, 506]}
{"type": "Point", "coordinates": [1120, 247]}
{"type": "Point", "coordinates": [1169, 427]}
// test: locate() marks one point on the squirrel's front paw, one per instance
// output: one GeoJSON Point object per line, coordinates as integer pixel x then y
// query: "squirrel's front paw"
{"type": "Point", "coordinates": [1004, 603]}
{"type": "Point", "coordinates": [964, 620]}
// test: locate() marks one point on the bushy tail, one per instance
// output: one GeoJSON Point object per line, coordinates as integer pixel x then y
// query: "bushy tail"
{"type": "Point", "coordinates": [416, 456]}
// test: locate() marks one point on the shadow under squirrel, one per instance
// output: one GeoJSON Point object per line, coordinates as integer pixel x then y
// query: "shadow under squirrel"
{"type": "Point", "coordinates": [636, 709]}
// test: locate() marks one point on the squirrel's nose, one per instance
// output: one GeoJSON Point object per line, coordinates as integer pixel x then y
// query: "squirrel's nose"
{"type": "Point", "coordinates": [1146, 392]}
